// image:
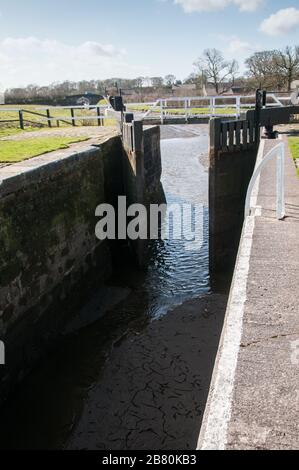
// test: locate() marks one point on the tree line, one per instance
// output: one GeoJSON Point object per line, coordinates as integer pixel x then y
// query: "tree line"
{"type": "Point", "coordinates": [275, 70]}
{"type": "Point", "coordinates": [55, 92]}
{"type": "Point", "coordinates": [271, 70]}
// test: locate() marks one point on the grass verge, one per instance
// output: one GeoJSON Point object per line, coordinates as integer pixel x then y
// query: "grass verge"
{"type": "Point", "coordinates": [8, 131]}
{"type": "Point", "coordinates": [294, 147]}
{"type": "Point", "coordinates": [181, 111]}
{"type": "Point", "coordinates": [17, 151]}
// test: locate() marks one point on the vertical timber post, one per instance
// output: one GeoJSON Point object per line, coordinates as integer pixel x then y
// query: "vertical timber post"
{"type": "Point", "coordinates": [73, 117]}
{"type": "Point", "coordinates": [21, 119]}
{"type": "Point", "coordinates": [49, 118]}
{"type": "Point", "coordinates": [99, 116]}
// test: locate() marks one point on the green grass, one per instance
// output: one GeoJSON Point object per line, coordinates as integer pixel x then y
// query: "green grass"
{"type": "Point", "coordinates": [138, 107]}
{"type": "Point", "coordinates": [194, 111]}
{"type": "Point", "coordinates": [102, 103]}
{"type": "Point", "coordinates": [8, 131]}
{"type": "Point", "coordinates": [17, 151]}
{"type": "Point", "coordinates": [181, 111]}
{"type": "Point", "coordinates": [294, 147]}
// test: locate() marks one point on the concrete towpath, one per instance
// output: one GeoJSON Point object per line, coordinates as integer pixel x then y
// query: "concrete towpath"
{"type": "Point", "coordinates": [254, 396]}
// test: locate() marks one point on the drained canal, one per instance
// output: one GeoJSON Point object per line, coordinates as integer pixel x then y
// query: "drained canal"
{"type": "Point", "coordinates": [132, 370]}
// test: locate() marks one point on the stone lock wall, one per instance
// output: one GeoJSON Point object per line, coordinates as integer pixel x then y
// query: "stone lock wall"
{"type": "Point", "coordinates": [232, 157]}
{"type": "Point", "coordinates": [142, 168]}
{"type": "Point", "coordinates": [50, 257]}
{"type": "Point", "coordinates": [142, 164]}
{"type": "Point", "coordinates": [49, 254]}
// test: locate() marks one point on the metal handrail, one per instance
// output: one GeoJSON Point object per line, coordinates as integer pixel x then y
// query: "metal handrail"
{"type": "Point", "coordinates": [277, 152]}
{"type": "Point", "coordinates": [161, 106]}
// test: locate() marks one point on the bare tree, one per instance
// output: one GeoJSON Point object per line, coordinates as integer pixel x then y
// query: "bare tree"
{"type": "Point", "coordinates": [157, 82]}
{"type": "Point", "coordinates": [212, 66]}
{"type": "Point", "coordinates": [274, 69]}
{"type": "Point", "coordinates": [170, 80]}
{"type": "Point", "coordinates": [139, 82]}
{"type": "Point", "coordinates": [261, 69]}
{"type": "Point", "coordinates": [287, 64]}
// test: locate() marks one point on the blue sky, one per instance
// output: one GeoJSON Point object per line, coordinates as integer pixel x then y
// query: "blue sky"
{"type": "Point", "coordinates": [54, 40]}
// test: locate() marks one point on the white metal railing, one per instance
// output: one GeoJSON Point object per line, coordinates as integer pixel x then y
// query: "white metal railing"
{"type": "Point", "coordinates": [187, 107]}
{"type": "Point", "coordinates": [277, 152]}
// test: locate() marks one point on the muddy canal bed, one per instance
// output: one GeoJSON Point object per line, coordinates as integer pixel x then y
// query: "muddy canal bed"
{"type": "Point", "coordinates": [132, 370]}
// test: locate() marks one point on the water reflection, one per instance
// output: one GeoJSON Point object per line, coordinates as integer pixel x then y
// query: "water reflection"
{"type": "Point", "coordinates": [176, 274]}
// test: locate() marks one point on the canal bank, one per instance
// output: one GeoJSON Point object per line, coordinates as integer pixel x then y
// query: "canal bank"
{"type": "Point", "coordinates": [116, 379]}
{"type": "Point", "coordinates": [253, 401]}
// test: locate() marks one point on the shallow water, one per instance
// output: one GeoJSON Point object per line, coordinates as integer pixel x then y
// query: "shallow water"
{"type": "Point", "coordinates": [45, 410]}
{"type": "Point", "coordinates": [180, 270]}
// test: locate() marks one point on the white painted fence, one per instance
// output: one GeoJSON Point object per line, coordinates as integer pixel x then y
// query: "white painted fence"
{"type": "Point", "coordinates": [203, 106]}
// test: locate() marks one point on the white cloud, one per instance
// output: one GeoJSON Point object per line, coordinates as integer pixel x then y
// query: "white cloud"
{"type": "Point", "coordinates": [240, 49]}
{"type": "Point", "coordinates": [249, 5]}
{"type": "Point", "coordinates": [281, 22]}
{"type": "Point", "coordinates": [33, 60]}
{"type": "Point", "coordinates": [191, 6]}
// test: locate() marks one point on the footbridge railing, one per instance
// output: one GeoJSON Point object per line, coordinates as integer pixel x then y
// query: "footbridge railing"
{"type": "Point", "coordinates": [201, 107]}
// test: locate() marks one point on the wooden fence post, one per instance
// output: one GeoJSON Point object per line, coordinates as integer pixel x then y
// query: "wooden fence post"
{"type": "Point", "coordinates": [215, 134]}
{"type": "Point", "coordinates": [49, 118]}
{"type": "Point", "coordinates": [21, 119]}
{"type": "Point", "coordinates": [100, 121]}
{"type": "Point", "coordinates": [73, 117]}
